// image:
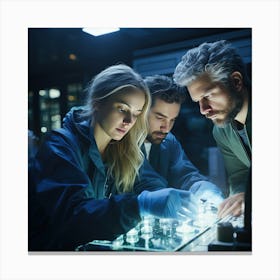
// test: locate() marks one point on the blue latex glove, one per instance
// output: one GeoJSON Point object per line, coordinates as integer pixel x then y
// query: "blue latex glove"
{"type": "Point", "coordinates": [168, 203]}
{"type": "Point", "coordinates": [207, 191]}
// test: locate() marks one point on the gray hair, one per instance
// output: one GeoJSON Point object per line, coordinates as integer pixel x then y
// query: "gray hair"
{"type": "Point", "coordinates": [219, 59]}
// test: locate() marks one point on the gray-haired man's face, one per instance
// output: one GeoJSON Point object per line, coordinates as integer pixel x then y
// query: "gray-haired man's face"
{"type": "Point", "coordinates": [216, 102]}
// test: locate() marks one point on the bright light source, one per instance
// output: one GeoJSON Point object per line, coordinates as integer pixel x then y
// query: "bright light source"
{"type": "Point", "coordinates": [99, 31]}
{"type": "Point", "coordinates": [54, 93]}
{"type": "Point", "coordinates": [44, 129]}
{"type": "Point", "coordinates": [42, 92]}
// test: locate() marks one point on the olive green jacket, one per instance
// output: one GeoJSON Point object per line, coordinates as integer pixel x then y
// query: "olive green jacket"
{"type": "Point", "coordinates": [236, 158]}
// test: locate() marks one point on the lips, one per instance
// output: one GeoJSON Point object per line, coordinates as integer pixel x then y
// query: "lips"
{"type": "Point", "coordinates": [160, 135]}
{"type": "Point", "coordinates": [211, 116]}
{"type": "Point", "coordinates": [121, 130]}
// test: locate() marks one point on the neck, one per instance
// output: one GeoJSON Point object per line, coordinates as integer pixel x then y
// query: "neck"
{"type": "Point", "coordinates": [101, 138]}
{"type": "Point", "coordinates": [242, 115]}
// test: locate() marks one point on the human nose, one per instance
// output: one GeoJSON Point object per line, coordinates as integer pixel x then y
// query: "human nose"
{"type": "Point", "coordinates": [128, 119]}
{"type": "Point", "coordinates": [204, 106]}
{"type": "Point", "coordinates": [165, 126]}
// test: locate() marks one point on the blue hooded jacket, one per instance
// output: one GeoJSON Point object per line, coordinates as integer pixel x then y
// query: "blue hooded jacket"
{"type": "Point", "coordinates": [71, 199]}
{"type": "Point", "coordinates": [171, 162]}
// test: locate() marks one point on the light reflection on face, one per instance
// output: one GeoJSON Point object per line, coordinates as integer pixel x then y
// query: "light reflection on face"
{"type": "Point", "coordinates": [119, 113]}
{"type": "Point", "coordinates": [161, 119]}
{"type": "Point", "coordinates": [216, 102]}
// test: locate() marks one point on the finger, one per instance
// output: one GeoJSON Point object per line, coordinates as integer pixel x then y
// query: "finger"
{"type": "Point", "coordinates": [235, 207]}
{"type": "Point", "coordinates": [225, 210]}
{"type": "Point", "coordinates": [221, 209]}
{"type": "Point", "coordinates": [231, 209]}
{"type": "Point", "coordinates": [224, 206]}
{"type": "Point", "coordinates": [237, 211]}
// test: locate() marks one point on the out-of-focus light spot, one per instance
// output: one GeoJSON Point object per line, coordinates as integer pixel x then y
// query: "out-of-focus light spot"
{"type": "Point", "coordinates": [43, 129]}
{"type": "Point", "coordinates": [42, 92]}
{"type": "Point", "coordinates": [71, 98]}
{"type": "Point", "coordinates": [55, 118]}
{"type": "Point", "coordinates": [72, 56]}
{"type": "Point", "coordinates": [100, 31]}
{"type": "Point", "coordinates": [54, 93]}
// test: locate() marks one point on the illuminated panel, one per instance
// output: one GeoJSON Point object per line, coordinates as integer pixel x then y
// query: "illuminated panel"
{"type": "Point", "coordinates": [159, 235]}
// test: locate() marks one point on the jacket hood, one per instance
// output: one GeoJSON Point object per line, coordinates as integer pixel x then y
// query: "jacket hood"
{"type": "Point", "coordinates": [77, 123]}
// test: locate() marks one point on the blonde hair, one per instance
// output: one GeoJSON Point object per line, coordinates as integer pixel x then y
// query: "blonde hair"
{"type": "Point", "coordinates": [123, 157]}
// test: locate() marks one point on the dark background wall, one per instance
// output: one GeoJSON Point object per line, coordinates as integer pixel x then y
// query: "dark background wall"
{"type": "Point", "coordinates": [61, 61]}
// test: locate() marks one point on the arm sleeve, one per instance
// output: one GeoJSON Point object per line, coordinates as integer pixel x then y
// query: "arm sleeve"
{"type": "Point", "coordinates": [236, 170]}
{"type": "Point", "coordinates": [182, 173]}
{"type": "Point", "coordinates": [149, 179]}
{"type": "Point", "coordinates": [63, 192]}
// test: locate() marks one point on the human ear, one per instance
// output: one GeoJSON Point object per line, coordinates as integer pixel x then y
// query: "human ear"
{"type": "Point", "coordinates": [237, 80]}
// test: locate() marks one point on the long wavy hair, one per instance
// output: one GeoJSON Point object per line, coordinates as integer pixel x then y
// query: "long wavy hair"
{"type": "Point", "coordinates": [123, 157]}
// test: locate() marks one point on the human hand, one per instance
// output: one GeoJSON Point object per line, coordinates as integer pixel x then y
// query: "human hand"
{"type": "Point", "coordinates": [168, 203]}
{"type": "Point", "coordinates": [233, 205]}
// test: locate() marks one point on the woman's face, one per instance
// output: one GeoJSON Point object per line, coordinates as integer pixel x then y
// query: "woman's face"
{"type": "Point", "coordinates": [119, 112]}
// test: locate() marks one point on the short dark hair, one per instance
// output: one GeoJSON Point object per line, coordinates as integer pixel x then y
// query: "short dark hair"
{"type": "Point", "coordinates": [163, 87]}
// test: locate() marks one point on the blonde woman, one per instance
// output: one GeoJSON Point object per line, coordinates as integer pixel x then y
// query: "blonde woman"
{"type": "Point", "coordinates": [86, 182]}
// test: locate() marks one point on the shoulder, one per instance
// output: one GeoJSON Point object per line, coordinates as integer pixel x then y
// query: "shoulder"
{"type": "Point", "coordinates": [170, 139]}
{"type": "Point", "coordinates": [62, 141]}
{"type": "Point", "coordinates": [225, 136]}
{"type": "Point", "coordinates": [60, 135]}
{"type": "Point", "coordinates": [170, 142]}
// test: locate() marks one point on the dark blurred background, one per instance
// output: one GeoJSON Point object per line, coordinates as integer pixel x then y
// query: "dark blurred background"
{"type": "Point", "coordinates": [61, 61]}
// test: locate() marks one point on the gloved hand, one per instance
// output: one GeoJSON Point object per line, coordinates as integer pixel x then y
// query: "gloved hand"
{"type": "Point", "coordinates": [207, 191]}
{"type": "Point", "coordinates": [168, 203]}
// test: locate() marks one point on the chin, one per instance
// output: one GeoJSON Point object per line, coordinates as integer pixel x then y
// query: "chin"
{"type": "Point", "coordinates": [222, 122]}
{"type": "Point", "coordinates": [117, 138]}
{"type": "Point", "coordinates": [157, 141]}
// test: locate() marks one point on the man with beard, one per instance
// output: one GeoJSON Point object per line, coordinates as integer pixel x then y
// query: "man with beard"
{"type": "Point", "coordinates": [164, 153]}
{"type": "Point", "coordinates": [216, 79]}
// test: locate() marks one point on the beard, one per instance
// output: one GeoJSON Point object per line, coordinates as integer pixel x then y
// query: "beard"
{"type": "Point", "coordinates": [156, 137]}
{"type": "Point", "coordinates": [235, 104]}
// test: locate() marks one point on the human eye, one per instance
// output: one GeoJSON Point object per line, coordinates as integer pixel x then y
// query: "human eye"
{"type": "Point", "coordinates": [121, 109]}
{"type": "Point", "coordinates": [159, 117]}
{"type": "Point", "coordinates": [209, 95]}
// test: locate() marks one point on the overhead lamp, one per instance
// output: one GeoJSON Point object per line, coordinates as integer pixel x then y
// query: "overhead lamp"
{"type": "Point", "coordinates": [99, 31]}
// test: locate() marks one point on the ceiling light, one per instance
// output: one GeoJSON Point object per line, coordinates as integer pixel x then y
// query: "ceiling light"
{"type": "Point", "coordinates": [100, 31]}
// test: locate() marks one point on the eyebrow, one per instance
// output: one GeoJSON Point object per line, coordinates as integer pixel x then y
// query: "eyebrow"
{"type": "Point", "coordinates": [206, 91]}
{"type": "Point", "coordinates": [160, 114]}
{"type": "Point", "coordinates": [128, 105]}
